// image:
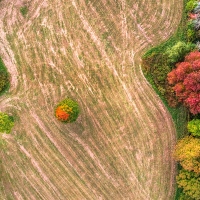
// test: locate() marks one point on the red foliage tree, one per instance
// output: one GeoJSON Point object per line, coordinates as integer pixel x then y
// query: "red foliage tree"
{"type": "Point", "coordinates": [186, 81]}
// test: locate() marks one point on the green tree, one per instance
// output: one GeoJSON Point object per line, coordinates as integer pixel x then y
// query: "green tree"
{"type": "Point", "coordinates": [191, 5]}
{"type": "Point", "coordinates": [177, 52]}
{"type": "Point", "coordinates": [67, 110]}
{"type": "Point", "coordinates": [6, 123]}
{"type": "Point", "coordinates": [194, 127]}
{"type": "Point", "coordinates": [190, 183]}
{"type": "Point", "coordinates": [187, 152]}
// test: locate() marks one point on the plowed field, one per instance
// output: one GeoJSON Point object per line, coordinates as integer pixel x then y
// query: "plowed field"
{"type": "Point", "coordinates": [120, 146]}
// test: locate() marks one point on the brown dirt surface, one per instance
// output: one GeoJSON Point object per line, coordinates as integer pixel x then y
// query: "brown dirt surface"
{"type": "Point", "coordinates": [89, 50]}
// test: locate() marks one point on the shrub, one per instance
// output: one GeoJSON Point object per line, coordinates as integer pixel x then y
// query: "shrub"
{"type": "Point", "coordinates": [191, 35]}
{"type": "Point", "coordinates": [156, 66]}
{"type": "Point", "coordinates": [6, 123]}
{"type": "Point", "coordinates": [194, 127]}
{"type": "Point", "coordinates": [67, 110]}
{"type": "Point", "coordinates": [171, 96]}
{"type": "Point", "coordinates": [190, 6]}
{"type": "Point", "coordinates": [3, 81]}
{"type": "Point", "coordinates": [177, 52]}
{"type": "Point", "coordinates": [24, 10]}
{"type": "Point", "coordinates": [190, 183]}
{"type": "Point", "coordinates": [191, 32]}
{"type": "Point", "coordinates": [159, 64]}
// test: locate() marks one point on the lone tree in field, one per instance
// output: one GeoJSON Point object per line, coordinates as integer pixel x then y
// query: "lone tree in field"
{"type": "Point", "coordinates": [186, 81]}
{"type": "Point", "coordinates": [67, 110]}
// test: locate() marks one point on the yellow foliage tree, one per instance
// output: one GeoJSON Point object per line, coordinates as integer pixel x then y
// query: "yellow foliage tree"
{"type": "Point", "coordinates": [190, 183]}
{"type": "Point", "coordinates": [187, 152]}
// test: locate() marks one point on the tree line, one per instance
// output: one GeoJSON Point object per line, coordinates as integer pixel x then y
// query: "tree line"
{"type": "Point", "coordinates": [173, 68]}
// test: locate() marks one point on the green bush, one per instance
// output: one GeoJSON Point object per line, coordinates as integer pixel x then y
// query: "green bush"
{"type": "Point", "coordinates": [24, 10]}
{"type": "Point", "coordinates": [67, 110]}
{"type": "Point", "coordinates": [190, 5]}
{"type": "Point", "coordinates": [194, 127]}
{"type": "Point", "coordinates": [4, 77]}
{"type": "Point", "coordinates": [192, 34]}
{"type": "Point", "coordinates": [6, 123]}
{"type": "Point", "coordinates": [177, 52]}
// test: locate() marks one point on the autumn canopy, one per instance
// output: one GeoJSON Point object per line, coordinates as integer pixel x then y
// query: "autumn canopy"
{"type": "Point", "coordinates": [67, 110]}
{"type": "Point", "coordinates": [186, 81]}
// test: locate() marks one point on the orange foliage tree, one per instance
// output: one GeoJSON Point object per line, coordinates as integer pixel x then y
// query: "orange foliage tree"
{"type": "Point", "coordinates": [61, 114]}
{"type": "Point", "coordinates": [67, 110]}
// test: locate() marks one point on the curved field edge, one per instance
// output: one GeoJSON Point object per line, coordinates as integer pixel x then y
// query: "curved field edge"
{"type": "Point", "coordinates": [120, 146]}
{"type": "Point", "coordinates": [179, 114]}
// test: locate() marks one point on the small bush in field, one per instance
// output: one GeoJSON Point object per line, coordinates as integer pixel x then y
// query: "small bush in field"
{"type": "Point", "coordinates": [6, 123]}
{"type": "Point", "coordinates": [67, 110]}
{"type": "Point", "coordinates": [24, 10]}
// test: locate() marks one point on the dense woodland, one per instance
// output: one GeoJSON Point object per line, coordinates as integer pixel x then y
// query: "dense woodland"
{"type": "Point", "coordinates": [173, 68]}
